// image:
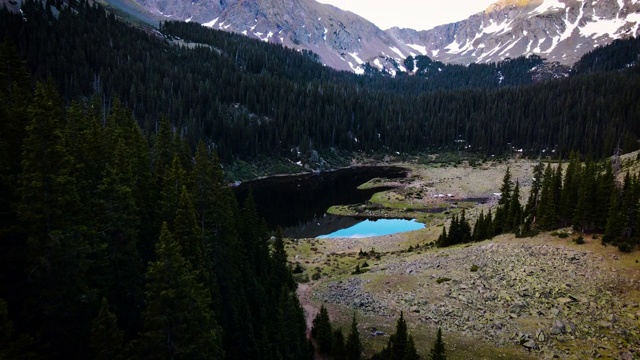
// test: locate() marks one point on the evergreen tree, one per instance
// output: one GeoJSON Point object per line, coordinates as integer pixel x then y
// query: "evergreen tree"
{"type": "Point", "coordinates": [629, 211]}
{"type": "Point", "coordinates": [353, 346]}
{"type": "Point", "coordinates": [514, 217]}
{"type": "Point", "coordinates": [501, 224]}
{"type": "Point", "coordinates": [281, 273]}
{"type": "Point", "coordinates": [106, 338]}
{"type": "Point", "coordinates": [398, 341]}
{"type": "Point", "coordinates": [322, 332]}
{"type": "Point", "coordinates": [584, 204]}
{"type": "Point", "coordinates": [338, 348]}
{"type": "Point", "coordinates": [570, 189]}
{"type": "Point", "coordinates": [410, 352]}
{"type": "Point", "coordinates": [187, 233]}
{"type": "Point", "coordinates": [400, 345]}
{"type": "Point", "coordinates": [116, 217]}
{"type": "Point", "coordinates": [443, 239]}
{"type": "Point", "coordinates": [615, 220]}
{"type": "Point", "coordinates": [546, 212]}
{"type": "Point", "coordinates": [534, 193]}
{"type": "Point", "coordinates": [438, 350]}
{"type": "Point", "coordinates": [178, 322]}
{"type": "Point", "coordinates": [605, 190]}
{"type": "Point", "coordinates": [557, 190]}
{"type": "Point", "coordinates": [173, 180]}
{"type": "Point", "coordinates": [59, 302]}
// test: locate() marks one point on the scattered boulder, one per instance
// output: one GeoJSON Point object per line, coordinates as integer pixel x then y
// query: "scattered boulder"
{"type": "Point", "coordinates": [605, 324]}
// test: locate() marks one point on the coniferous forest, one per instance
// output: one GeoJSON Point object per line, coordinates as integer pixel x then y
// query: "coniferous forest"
{"type": "Point", "coordinates": [589, 197]}
{"type": "Point", "coordinates": [115, 244]}
{"type": "Point", "coordinates": [119, 235]}
{"type": "Point", "coordinates": [250, 99]}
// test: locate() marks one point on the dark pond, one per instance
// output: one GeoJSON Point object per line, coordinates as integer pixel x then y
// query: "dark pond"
{"type": "Point", "coordinates": [294, 201]}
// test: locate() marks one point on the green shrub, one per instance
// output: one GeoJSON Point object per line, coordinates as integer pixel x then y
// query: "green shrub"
{"type": "Point", "coordinates": [442, 279]}
{"type": "Point", "coordinates": [625, 247]}
{"type": "Point", "coordinates": [298, 269]}
{"type": "Point", "coordinates": [301, 278]}
{"type": "Point", "coordinates": [579, 240]}
{"type": "Point", "coordinates": [563, 235]}
{"type": "Point", "coordinates": [365, 264]}
{"type": "Point", "coordinates": [474, 268]}
{"type": "Point", "coordinates": [316, 276]}
{"type": "Point", "coordinates": [356, 271]}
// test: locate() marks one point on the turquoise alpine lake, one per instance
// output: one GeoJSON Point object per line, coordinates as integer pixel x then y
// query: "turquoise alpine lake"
{"type": "Point", "coordinates": [370, 228]}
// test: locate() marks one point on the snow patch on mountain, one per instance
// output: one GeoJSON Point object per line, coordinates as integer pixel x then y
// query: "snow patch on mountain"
{"type": "Point", "coordinates": [420, 48]}
{"type": "Point", "coordinates": [548, 5]}
{"type": "Point", "coordinates": [211, 23]}
{"type": "Point", "coordinates": [354, 55]}
{"type": "Point", "coordinates": [397, 51]}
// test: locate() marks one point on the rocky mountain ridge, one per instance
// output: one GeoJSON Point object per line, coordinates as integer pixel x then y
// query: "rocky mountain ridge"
{"type": "Point", "coordinates": [557, 30]}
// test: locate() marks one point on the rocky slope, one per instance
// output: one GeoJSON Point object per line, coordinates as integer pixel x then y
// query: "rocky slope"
{"type": "Point", "coordinates": [545, 297]}
{"type": "Point", "coordinates": [558, 30]}
{"type": "Point", "coordinates": [342, 39]}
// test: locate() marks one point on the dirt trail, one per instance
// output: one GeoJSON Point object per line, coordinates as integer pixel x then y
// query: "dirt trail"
{"type": "Point", "coordinates": [310, 310]}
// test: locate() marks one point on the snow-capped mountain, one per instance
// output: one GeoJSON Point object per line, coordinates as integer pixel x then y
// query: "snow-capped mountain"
{"type": "Point", "coordinates": [343, 40]}
{"type": "Point", "coordinates": [558, 30]}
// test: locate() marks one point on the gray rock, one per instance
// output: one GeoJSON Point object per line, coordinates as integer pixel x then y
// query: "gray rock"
{"type": "Point", "coordinates": [626, 356]}
{"type": "Point", "coordinates": [530, 344]}
{"type": "Point", "coordinates": [605, 324]}
{"type": "Point", "coordinates": [564, 300]}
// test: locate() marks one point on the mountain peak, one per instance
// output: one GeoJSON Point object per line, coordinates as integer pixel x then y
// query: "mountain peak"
{"type": "Point", "coordinates": [558, 30]}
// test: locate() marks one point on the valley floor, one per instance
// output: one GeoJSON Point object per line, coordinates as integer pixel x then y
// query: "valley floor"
{"type": "Point", "coordinates": [533, 298]}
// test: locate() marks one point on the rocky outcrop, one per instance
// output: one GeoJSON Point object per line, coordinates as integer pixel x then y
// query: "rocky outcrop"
{"type": "Point", "coordinates": [536, 296]}
{"type": "Point", "coordinates": [558, 30]}
{"type": "Point", "coordinates": [343, 40]}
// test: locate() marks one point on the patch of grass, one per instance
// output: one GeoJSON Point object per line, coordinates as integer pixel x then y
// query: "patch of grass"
{"type": "Point", "coordinates": [474, 268]}
{"type": "Point", "coordinates": [442, 279]}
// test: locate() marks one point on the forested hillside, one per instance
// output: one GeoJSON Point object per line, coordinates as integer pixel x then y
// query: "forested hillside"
{"type": "Point", "coordinates": [119, 235]}
{"type": "Point", "coordinates": [250, 99]}
{"type": "Point", "coordinates": [587, 197]}
{"type": "Point", "coordinates": [113, 248]}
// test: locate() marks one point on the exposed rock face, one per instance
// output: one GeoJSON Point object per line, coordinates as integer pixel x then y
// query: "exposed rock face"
{"type": "Point", "coordinates": [342, 39]}
{"type": "Point", "coordinates": [558, 30]}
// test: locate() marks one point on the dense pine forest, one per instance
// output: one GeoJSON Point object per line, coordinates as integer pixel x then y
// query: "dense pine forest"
{"type": "Point", "coordinates": [119, 235]}
{"type": "Point", "coordinates": [115, 244]}
{"type": "Point", "coordinates": [251, 100]}
{"type": "Point", "coordinates": [587, 197]}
